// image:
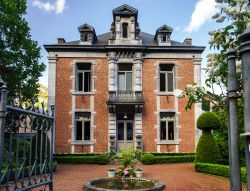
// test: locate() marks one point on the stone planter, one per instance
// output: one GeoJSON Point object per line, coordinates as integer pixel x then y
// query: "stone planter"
{"type": "Point", "coordinates": [138, 174]}
{"type": "Point", "coordinates": [111, 174]}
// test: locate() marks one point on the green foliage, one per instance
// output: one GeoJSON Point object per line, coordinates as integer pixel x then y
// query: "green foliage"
{"type": "Point", "coordinates": [172, 154]}
{"type": "Point", "coordinates": [19, 67]}
{"type": "Point", "coordinates": [207, 150]}
{"type": "Point", "coordinates": [127, 157]}
{"type": "Point", "coordinates": [217, 169]}
{"type": "Point", "coordinates": [81, 159]}
{"type": "Point", "coordinates": [157, 158]}
{"type": "Point", "coordinates": [174, 159]}
{"type": "Point", "coordinates": [148, 159]}
{"type": "Point", "coordinates": [208, 121]}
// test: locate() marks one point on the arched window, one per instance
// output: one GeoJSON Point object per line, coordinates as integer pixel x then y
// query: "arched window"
{"type": "Point", "coordinates": [125, 30]}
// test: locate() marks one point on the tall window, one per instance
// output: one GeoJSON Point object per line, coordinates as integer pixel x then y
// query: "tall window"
{"type": "Point", "coordinates": [125, 77]}
{"type": "Point", "coordinates": [164, 38]}
{"type": "Point", "coordinates": [83, 77]}
{"type": "Point", "coordinates": [166, 77]}
{"type": "Point", "coordinates": [82, 121]}
{"type": "Point", "coordinates": [167, 126]}
{"type": "Point", "coordinates": [125, 30]}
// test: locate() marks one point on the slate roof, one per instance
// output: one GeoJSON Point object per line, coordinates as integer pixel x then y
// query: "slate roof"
{"type": "Point", "coordinates": [147, 40]}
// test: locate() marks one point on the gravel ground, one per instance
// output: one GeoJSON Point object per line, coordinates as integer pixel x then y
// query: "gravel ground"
{"type": "Point", "coordinates": [71, 177]}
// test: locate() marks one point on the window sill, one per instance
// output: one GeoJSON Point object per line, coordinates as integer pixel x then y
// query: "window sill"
{"type": "Point", "coordinates": [167, 143]}
{"type": "Point", "coordinates": [82, 142]}
{"type": "Point", "coordinates": [82, 93]}
{"type": "Point", "coordinates": [165, 93]}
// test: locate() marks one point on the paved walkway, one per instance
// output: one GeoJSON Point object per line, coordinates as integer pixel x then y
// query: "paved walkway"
{"type": "Point", "coordinates": [177, 177]}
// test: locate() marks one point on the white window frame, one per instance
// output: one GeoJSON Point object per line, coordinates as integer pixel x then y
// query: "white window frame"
{"type": "Point", "coordinates": [166, 78]}
{"type": "Point", "coordinates": [126, 71]}
{"type": "Point", "coordinates": [83, 119]}
{"type": "Point", "coordinates": [166, 120]}
{"type": "Point", "coordinates": [83, 78]}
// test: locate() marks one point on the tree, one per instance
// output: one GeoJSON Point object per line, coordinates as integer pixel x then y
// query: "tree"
{"type": "Point", "coordinates": [235, 16]}
{"type": "Point", "coordinates": [19, 54]}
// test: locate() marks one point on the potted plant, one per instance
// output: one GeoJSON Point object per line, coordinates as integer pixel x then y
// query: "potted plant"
{"type": "Point", "coordinates": [138, 172]}
{"type": "Point", "coordinates": [111, 172]}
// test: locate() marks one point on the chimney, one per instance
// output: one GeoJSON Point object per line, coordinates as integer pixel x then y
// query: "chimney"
{"type": "Point", "coordinates": [60, 40]}
{"type": "Point", "coordinates": [188, 41]}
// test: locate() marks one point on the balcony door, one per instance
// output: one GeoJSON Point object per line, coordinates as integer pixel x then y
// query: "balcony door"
{"type": "Point", "coordinates": [125, 134]}
{"type": "Point", "coordinates": [125, 77]}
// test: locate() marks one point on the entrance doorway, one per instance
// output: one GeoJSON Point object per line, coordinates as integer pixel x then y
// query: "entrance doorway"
{"type": "Point", "coordinates": [125, 134]}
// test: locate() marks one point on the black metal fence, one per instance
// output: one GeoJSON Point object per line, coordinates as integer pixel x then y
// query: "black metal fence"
{"type": "Point", "coordinates": [26, 145]}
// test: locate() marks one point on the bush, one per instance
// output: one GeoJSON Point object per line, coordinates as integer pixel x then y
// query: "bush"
{"type": "Point", "coordinates": [148, 159]}
{"type": "Point", "coordinates": [217, 169]}
{"type": "Point", "coordinates": [172, 154]}
{"type": "Point", "coordinates": [81, 159]}
{"type": "Point", "coordinates": [221, 140]}
{"type": "Point", "coordinates": [174, 159]}
{"type": "Point", "coordinates": [208, 121]}
{"type": "Point", "coordinates": [207, 150]}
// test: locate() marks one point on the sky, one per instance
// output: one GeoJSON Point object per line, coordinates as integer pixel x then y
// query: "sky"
{"type": "Point", "coordinates": [51, 19]}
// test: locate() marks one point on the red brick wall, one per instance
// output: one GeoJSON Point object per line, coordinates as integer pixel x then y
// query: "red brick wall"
{"type": "Point", "coordinates": [100, 71]}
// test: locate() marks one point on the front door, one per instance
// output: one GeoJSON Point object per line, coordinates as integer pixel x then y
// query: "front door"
{"type": "Point", "coordinates": [125, 134]}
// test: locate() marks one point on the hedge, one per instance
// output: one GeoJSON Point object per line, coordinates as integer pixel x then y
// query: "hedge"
{"type": "Point", "coordinates": [76, 154]}
{"type": "Point", "coordinates": [174, 159]}
{"type": "Point", "coordinates": [218, 169]}
{"type": "Point", "coordinates": [172, 154]}
{"type": "Point", "coordinates": [81, 159]}
{"type": "Point", "coordinates": [152, 159]}
{"type": "Point", "coordinates": [208, 121]}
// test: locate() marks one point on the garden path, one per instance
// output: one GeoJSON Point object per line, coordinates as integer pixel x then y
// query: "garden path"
{"type": "Point", "coordinates": [177, 177]}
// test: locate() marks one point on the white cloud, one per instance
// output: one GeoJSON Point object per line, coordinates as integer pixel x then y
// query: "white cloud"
{"type": "Point", "coordinates": [203, 11]}
{"type": "Point", "coordinates": [58, 6]}
{"type": "Point", "coordinates": [177, 28]}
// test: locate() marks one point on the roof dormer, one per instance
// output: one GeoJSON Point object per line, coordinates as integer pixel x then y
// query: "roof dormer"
{"type": "Point", "coordinates": [125, 28]}
{"type": "Point", "coordinates": [163, 34]}
{"type": "Point", "coordinates": [87, 34]}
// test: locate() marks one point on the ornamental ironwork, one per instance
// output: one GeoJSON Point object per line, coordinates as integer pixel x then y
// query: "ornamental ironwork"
{"type": "Point", "coordinates": [26, 144]}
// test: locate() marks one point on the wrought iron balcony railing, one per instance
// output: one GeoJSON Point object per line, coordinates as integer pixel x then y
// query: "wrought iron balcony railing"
{"type": "Point", "coordinates": [125, 97]}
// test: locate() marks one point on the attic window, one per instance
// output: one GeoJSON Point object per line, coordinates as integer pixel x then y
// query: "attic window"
{"type": "Point", "coordinates": [84, 37]}
{"type": "Point", "coordinates": [164, 38]}
{"type": "Point", "coordinates": [125, 30]}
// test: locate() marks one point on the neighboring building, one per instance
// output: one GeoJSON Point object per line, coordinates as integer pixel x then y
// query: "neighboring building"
{"type": "Point", "coordinates": [116, 90]}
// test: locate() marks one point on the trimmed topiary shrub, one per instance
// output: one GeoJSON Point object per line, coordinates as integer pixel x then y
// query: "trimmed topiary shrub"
{"type": "Point", "coordinates": [148, 158]}
{"type": "Point", "coordinates": [174, 159]}
{"type": "Point", "coordinates": [208, 121]}
{"type": "Point", "coordinates": [207, 150]}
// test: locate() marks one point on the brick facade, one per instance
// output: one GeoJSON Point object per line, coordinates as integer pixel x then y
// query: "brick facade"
{"type": "Point", "coordinates": [104, 113]}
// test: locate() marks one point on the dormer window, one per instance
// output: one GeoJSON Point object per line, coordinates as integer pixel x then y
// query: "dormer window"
{"type": "Point", "coordinates": [125, 30]}
{"type": "Point", "coordinates": [162, 35]}
{"type": "Point", "coordinates": [84, 37]}
{"type": "Point", "coordinates": [164, 38]}
{"type": "Point", "coordinates": [87, 34]}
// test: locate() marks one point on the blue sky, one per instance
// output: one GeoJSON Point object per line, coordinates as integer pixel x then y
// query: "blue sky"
{"type": "Point", "coordinates": [50, 19]}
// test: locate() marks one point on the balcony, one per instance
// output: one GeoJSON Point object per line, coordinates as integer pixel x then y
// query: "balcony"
{"type": "Point", "coordinates": [125, 101]}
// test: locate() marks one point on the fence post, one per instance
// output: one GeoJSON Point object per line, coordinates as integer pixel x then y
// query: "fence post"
{"type": "Point", "coordinates": [52, 146]}
{"type": "Point", "coordinates": [233, 137]}
{"type": "Point", "coordinates": [3, 103]}
{"type": "Point", "coordinates": [244, 39]}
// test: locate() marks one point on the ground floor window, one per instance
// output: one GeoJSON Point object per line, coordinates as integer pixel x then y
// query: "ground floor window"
{"type": "Point", "coordinates": [167, 126]}
{"type": "Point", "coordinates": [83, 129]}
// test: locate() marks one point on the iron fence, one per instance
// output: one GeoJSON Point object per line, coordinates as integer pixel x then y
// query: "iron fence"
{"type": "Point", "coordinates": [26, 144]}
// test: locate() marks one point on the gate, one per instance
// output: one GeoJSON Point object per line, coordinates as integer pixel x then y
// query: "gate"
{"type": "Point", "coordinates": [26, 145]}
